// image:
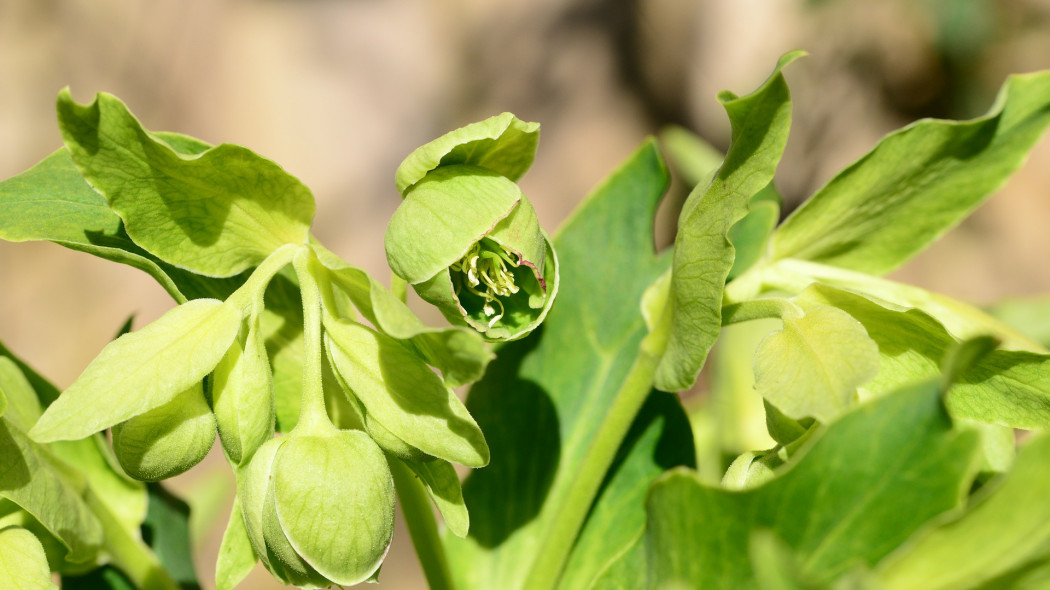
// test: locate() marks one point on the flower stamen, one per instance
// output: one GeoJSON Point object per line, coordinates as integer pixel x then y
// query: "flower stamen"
{"type": "Point", "coordinates": [485, 273]}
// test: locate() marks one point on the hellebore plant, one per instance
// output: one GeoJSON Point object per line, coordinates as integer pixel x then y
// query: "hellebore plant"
{"type": "Point", "coordinates": [855, 432]}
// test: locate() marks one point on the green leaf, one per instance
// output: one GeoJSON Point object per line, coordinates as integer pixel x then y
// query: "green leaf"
{"type": "Point", "coordinates": [697, 161]}
{"type": "Point", "coordinates": [52, 201]}
{"type": "Point", "coordinates": [142, 370]}
{"type": "Point", "coordinates": [334, 497]}
{"type": "Point", "coordinates": [125, 498]}
{"type": "Point", "coordinates": [32, 479]}
{"type": "Point", "coordinates": [106, 577]}
{"type": "Point", "coordinates": [459, 353]}
{"type": "Point", "coordinates": [873, 478]}
{"type": "Point", "coordinates": [166, 530]}
{"type": "Point", "coordinates": [1004, 387]}
{"type": "Point", "coordinates": [217, 213]}
{"type": "Point", "coordinates": [628, 571]}
{"type": "Point", "coordinates": [916, 184]}
{"type": "Point", "coordinates": [442, 484]}
{"type": "Point", "coordinates": [503, 144]}
{"type": "Point", "coordinates": [659, 439]}
{"type": "Point", "coordinates": [23, 565]}
{"type": "Point", "coordinates": [45, 391]}
{"type": "Point", "coordinates": [1006, 527]}
{"type": "Point", "coordinates": [1029, 316]}
{"type": "Point", "coordinates": [961, 320]}
{"type": "Point", "coordinates": [401, 393]}
{"type": "Point", "coordinates": [544, 397]}
{"type": "Point", "coordinates": [812, 367]}
{"type": "Point", "coordinates": [692, 157]}
{"type": "Point", "coordinates": [20, 402]}
{"type": "Point", "coordinates": [236, 557]}
{"type": "Point", "coordinates": [703, 254]}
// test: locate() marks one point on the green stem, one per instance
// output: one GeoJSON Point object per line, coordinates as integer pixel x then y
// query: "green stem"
{"type": "Point", "coordinates": [313, 418]}
{"type": "Point", "coordinates": [422, 526]}
{"type": "Point", "coordinates": [130, 554]}
{"type": "Point", "coordinates": [568, 518]}
{"type": "Point", "coordinates": [415, 504]}
{"type": "Point", "coordinates": [757, 309]}
{"type": "Point", "coordinates": [245, 295]}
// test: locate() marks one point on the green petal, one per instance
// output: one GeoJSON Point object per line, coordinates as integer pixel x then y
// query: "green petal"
{"type": "Point", "coordinates": [503, 144]}
{"type": "Point", "coordinates": [443, 216]}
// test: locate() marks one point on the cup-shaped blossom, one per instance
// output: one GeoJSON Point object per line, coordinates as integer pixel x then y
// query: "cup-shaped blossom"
{"type": "Point", "coordinates": [467, 238]}
{"type": "Point", "coordinates": [302, 492]}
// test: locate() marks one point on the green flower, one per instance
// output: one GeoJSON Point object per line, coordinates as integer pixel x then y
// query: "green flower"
{"type": "Point", "coordinates": [319, 508]}
{"type": "Point", "coordinates": [467, 238]}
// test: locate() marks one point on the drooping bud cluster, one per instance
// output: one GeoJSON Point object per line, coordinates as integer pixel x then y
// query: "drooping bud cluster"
{"type": "Point", "coordinates": [315, 491]}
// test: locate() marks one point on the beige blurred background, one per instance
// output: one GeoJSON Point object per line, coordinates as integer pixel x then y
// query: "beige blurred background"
{"type": "Point", "coordinates": [339, 91]}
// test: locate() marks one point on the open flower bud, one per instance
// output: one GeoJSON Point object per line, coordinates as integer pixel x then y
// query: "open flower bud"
{"type": "Point", "coordinates": [319, 509]}
{"type": "Point", "coordinates": [167, 440]}
{"type": "Point", "coordinates": [467, 238]}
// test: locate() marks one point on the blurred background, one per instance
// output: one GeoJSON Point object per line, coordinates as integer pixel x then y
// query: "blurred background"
{"type": "Point", "coordinates": [339, 91]}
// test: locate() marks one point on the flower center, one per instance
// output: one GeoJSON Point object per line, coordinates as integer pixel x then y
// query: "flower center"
{"type": "Point", "coordinates": [485, 273]}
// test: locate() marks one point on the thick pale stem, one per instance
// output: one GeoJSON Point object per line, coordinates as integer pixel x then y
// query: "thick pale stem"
{"type": "Point", "coordinates": [313, 418]}
{"type": "Point", "coordinates": [557, 541]}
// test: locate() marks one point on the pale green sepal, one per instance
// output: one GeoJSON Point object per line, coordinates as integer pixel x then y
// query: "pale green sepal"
{"type": "Point", "coordinates": [1005, 387]}
{"type": "Point", "coordinates": [503, 144]}
{"type": "Point", "coordinates": [400, 391]}
{"type": "Point", "coordinates": [442, 484]}
{"type": "Point", "coordinates": [814, 365]}
{"type": "Point", "coordinates": [703, 254]}
{"type": "Point", "coordinates": [23, 565]}
{"type": "Point", "coordinates": [167, 440]}
{"type": "Point", "coordinates": [334, 497]}
{"type": "Point", "coordinates": [243, 395]}
{"type": "Point", "coordinates": [960, 319]}
{"type": "Point", "coordinates": [38, 483]}
{"type": "Point", "coordinates": [142, 370]}
{"type": "Point", "coordinates": [916, 184]}
{"type": "Point", "coordinates": [747, 471]}
{"type": "Point", "coordinates": [459, 353]}
{"type": "Point", "coordinates": [443, 216]}
{"type": "Point", "coordinates": [216, 213]}
{"type": "Point", "coordinates": [236, 556]}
